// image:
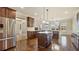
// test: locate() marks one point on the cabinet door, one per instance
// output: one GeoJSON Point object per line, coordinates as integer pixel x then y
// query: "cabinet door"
{"type": "Point", "coordinates": [12, 13]}
{"type": "Point", "coordinates": [0, 20]}
{"type": "Point", "coordinates": [0, 11]}
{"type": "Point", "coordinates": [2, 44]}
{"type": "Point", "coordinates": [30, 22]}
{"type": "Point", "coordinates": [3, 14]}
{"type": "Point", "coordinates": [7, 13]}
{"type": "Point", "coordinates": [1, 35]}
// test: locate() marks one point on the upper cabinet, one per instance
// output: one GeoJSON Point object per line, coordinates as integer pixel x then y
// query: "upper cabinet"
{"type": "Point", "coordinates": [2, 12]}
{"type": "Point", "coordinates": [7, 17]}
{"type": "Point", "coordinates": [12, 13]}
{"type": "Point", "coordinates": [30, 22]}
{"type": "Point", "coordinates": [7, 12]}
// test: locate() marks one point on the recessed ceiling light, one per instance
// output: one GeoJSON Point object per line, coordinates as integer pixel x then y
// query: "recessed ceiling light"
{"type": "Point", "coordinates": [66, 12]}
{"type": "Point", "coordinates": [43, 21]}
{"type": "Point", "coordinates": [35, 14]}
{"type": "Point", "coordinates": [22, 7]}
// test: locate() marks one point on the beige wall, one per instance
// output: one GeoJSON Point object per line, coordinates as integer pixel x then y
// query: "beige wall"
{"type": "Point", "coordinates": [69, 26]}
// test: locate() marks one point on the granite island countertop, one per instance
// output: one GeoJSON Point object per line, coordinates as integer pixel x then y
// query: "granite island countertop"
{"type": "Point", "coordinates": [45, 32]}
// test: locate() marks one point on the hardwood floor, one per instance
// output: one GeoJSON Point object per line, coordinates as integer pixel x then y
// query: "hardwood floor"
{"type": "Point", "coordinates": [63, 43]}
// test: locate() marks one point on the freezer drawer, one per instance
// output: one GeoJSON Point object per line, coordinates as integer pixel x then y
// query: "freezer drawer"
{"type": "Point", "coordinates": [9, 43]}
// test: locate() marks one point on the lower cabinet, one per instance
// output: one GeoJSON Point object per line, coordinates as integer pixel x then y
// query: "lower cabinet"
{"type": "Point", "coordinates": [31, 34]}
{"type": "Point", "coordinates": [55, 34]}
{"type": "Point", "coordinates": [2, 45]}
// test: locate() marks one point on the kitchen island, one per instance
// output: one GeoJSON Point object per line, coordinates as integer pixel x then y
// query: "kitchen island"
{"type": "Point", "coordinates": [44, 39]}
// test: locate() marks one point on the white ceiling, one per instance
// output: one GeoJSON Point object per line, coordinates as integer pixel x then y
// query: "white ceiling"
{"type": "Point", "coordinates": [54, 12]}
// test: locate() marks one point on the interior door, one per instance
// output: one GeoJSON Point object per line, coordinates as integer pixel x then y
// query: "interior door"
{"type": "Point", "coordinates": [20, 29]}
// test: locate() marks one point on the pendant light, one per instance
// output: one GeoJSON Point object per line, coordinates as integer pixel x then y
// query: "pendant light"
{"type": "Point", "coordinates": [45, 14]}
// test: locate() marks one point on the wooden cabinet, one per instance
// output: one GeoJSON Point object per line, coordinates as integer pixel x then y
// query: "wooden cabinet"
{"type": "Point", "coordinates": [2, 12]}
{"type": "Point", "coordinates": [56, 35]}
{"type": "Point", "coordinates": [1, 35]}
{"type": "Point", "coordinates": [12, 13]}
{"type": "Point", "coordinates": [31, 34]}
{"type": "Point", "coordinates": [7, 12]}
{"type": "Point", "coordinates": [2, 45]}
{"type": "Point", "coordinates": [7, 15]}
{"type": "Point", "coordinates": [30, 22]}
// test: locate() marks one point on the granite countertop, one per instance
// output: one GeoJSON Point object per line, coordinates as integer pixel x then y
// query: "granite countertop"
{"type": "Point", "coordinates": [77, 34]}
{"type": "Point", "coordinates": [44, 32]}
